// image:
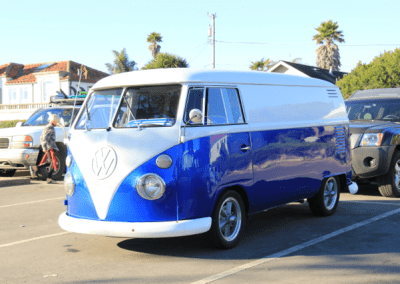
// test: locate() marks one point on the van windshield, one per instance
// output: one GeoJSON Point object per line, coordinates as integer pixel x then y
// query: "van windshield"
{"type": "Point", "coordinates": [150, 106]}
{"type": "Point", "coordinates": [373, 109]}
{"type": "Point", "coordinates": [99, 109]}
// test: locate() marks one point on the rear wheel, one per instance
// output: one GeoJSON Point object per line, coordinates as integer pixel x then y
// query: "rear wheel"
{"type": "Point", "coordinates": [389, 184]}
{"type": "Point", "coordinates": [327, 198]}
{"type": "Point", "coordinates": [228, 220]}
{"type": "Point", "coordinates": [7, 173]}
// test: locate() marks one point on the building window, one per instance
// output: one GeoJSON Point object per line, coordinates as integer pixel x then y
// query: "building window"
{"type": "Point", "coordinates": [26, 95]}
{"type": "Point", "coordinates": [14, 95]}
{"type": "Point", "coordinates": [21, 95]}
{"type": "Point", "coordinates": [10, 96]}
{"type": "Point", "coordinates": [48, 90]}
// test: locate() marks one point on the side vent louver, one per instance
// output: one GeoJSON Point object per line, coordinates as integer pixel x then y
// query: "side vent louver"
{"type": "Point", "coordinates": [332, 93]}
{"type": "Point", "coordinates": [340, 139]}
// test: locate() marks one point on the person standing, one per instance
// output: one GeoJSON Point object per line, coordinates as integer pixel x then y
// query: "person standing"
{"type": "Point", "coordinates": [48, 142]}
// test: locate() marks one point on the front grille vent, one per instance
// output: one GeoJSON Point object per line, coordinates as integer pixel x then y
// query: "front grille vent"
{"type": "Point", "coordinates": [4, 143]}
{"type": "Point", "coordinates": [340, 139]}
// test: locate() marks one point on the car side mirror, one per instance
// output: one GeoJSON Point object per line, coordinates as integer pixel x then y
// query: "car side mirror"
{"type": "Point", "coordinates": [19, 123]}
{"type": "Point", "coordinates": [195, 115]}
{"type": "Point", "coordinates": [62, 122]}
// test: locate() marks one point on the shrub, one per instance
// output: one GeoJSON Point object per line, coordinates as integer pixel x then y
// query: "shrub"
{"type": "Point", "coordinates": [9, 123]}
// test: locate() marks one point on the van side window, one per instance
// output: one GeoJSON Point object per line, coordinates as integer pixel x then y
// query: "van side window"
{"type": "Point", "coordinates": [223, 106]}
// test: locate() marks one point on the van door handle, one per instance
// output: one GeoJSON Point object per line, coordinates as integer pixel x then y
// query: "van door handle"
{"type": "Point", "coordinates": [245, 148]}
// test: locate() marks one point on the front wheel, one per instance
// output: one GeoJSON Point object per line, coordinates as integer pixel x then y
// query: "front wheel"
{"type": "Point", "coordinates": [389, 184]}
{"type": "Point", "coordinates": [228, 220]}
{"type": "Point", "coordinates": [327, 199]}
{"type": "Point", "coordinates": [7, 173]}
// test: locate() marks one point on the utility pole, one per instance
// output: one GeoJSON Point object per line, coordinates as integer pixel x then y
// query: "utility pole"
{"type": "Point", "coordinates": [211, 33]}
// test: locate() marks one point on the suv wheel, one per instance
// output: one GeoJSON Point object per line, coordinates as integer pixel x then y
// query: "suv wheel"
{"type": "Point", "coordinates": [389, 184]}
{"type": "Point", "coordinates": [57, 174]}
{"type": "Point", "coordinates": [7, 173]}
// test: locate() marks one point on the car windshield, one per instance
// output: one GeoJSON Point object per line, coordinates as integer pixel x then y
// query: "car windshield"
{"type": "Point", "coordinates": [379, 109]}
{"type": "Point", "coordinates": [41, 116]}
{"type": "Point", "coordinates": [99, 109]}
{"type": "Point", "coordinates": [150, 106]}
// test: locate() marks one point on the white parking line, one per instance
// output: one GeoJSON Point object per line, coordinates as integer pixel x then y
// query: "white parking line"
{"type": "Point", "coordinates": [373, 202]}
{"type": "Point", "coordinates": [293, 249]}
{"type": "Point", "coordinates": [30, 202]}
{"type": "Point", "coordinates": [33, 239]}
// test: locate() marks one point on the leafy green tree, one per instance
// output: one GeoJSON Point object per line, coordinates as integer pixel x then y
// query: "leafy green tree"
{"type": "Point", "coordinates": [328, 53]}
{"type": "Point", "coordinates": [166, 60]}
{"type": "Point", "coordinates": [121, 63]}
{"type": "Point", "coordinates": [382, 72]}
{"type": "Point", "coordinates": [261, 65]}
{"type": "Point", "coordinates": [154, 38]}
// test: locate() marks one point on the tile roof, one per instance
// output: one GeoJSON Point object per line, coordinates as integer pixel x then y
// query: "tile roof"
{"type": "Point", "coordinates": [316, 72]}
{"type": "Point", "coordinates": [10, 69]}
{"type": "Point", "coordinates": [29, 71]}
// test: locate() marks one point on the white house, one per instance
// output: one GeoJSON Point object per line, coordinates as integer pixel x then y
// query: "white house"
{"type": "Point", "coordinates": [25, 88]}
{"type": "Point", "coordinates": [306, 71]}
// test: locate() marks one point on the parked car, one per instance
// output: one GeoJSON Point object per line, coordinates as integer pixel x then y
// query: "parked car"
{"type": "Point", "coordinates": [375, 138]}
{"type": "Point", "coordinates": [20, 146]}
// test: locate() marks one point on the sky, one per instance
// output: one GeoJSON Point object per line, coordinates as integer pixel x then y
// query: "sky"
{"type": "Point", "coordinates": [87, 31]}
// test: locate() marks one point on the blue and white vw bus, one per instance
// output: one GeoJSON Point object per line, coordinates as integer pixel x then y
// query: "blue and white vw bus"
{"type": "Point", "coordinates": [176, 152]}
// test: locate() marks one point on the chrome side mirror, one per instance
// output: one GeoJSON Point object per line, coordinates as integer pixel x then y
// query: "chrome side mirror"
{"type": "Point", "coordinates": [196, 116]}
{"type": "Point", "coordinates": [62, 122]}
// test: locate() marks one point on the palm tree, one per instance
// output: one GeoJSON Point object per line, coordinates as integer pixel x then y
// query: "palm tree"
{"type": "Point", "coordinates": [261, 65]}
{"type": "Point", "coordinates": [153, 39]}
{"type": "Point", "coordinates": [121, 63]}
{"type": "Point", "coordinates": [328, 53]}
{"type": "Point", "coordinates": [166, 60]}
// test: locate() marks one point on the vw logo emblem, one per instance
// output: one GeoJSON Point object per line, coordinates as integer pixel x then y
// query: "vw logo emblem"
{"type": "Point", "coordinates": [104, 162]}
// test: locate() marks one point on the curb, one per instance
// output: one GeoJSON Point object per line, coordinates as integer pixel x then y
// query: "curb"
{"type": "Point", "coordinates": [14, 181]}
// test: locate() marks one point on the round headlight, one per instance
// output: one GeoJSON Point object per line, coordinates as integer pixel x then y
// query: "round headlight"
{"type": "Point", "coordinates": [68, 161]}
{"type": "Point", "coordinates": [150, 186]}
{"type": "Point", "coordinates": [69, 184]}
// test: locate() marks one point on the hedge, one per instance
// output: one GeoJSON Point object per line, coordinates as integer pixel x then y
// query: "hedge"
{"type": "Point", "coordinates": [9, 123]}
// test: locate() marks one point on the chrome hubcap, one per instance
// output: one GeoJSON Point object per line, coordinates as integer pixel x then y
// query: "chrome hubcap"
{"type": "Point", "coordinates": [58, 167]}
{"type": "Point", "coordinates": [330, 193]}
{"type": "Point", "coordinates": [230, 219]}
{"type": "Point", "coordinates": [397, 174]}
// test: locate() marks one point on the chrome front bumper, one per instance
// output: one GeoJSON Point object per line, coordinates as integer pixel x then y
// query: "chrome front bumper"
{"type": "Point", "coordinates": [135, 229]}
{"type": "Point", "coordinates": [18, 158]}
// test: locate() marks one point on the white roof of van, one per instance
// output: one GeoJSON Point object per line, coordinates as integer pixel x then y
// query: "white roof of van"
{"type": "Point", "coordinates": [188, 75]}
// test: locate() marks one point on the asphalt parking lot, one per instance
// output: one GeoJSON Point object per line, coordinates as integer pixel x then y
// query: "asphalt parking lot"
{"type": "Point", "coordinates": [359, 244]}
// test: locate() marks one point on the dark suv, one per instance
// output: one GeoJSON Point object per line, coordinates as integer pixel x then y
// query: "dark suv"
{"type": "Point", "coordinates": [375, 138]}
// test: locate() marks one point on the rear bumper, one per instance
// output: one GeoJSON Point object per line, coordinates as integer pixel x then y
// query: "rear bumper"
{"type": "Point", "coordinates": [18, 158]}
{"type": "Point", "coordinates": [135, 229]}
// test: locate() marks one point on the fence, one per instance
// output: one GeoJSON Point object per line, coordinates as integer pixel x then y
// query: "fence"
{"type": "Point", "coordinates": [19, 111]}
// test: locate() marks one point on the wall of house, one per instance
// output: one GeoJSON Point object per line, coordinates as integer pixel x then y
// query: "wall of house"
{"type": "Point", "coordinates": [289, 71]}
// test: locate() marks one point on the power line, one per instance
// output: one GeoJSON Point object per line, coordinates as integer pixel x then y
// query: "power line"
{"type": "Point", "coordinates": [288, 44]}
{"type": "Point", "coordinates": [199, 53]}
